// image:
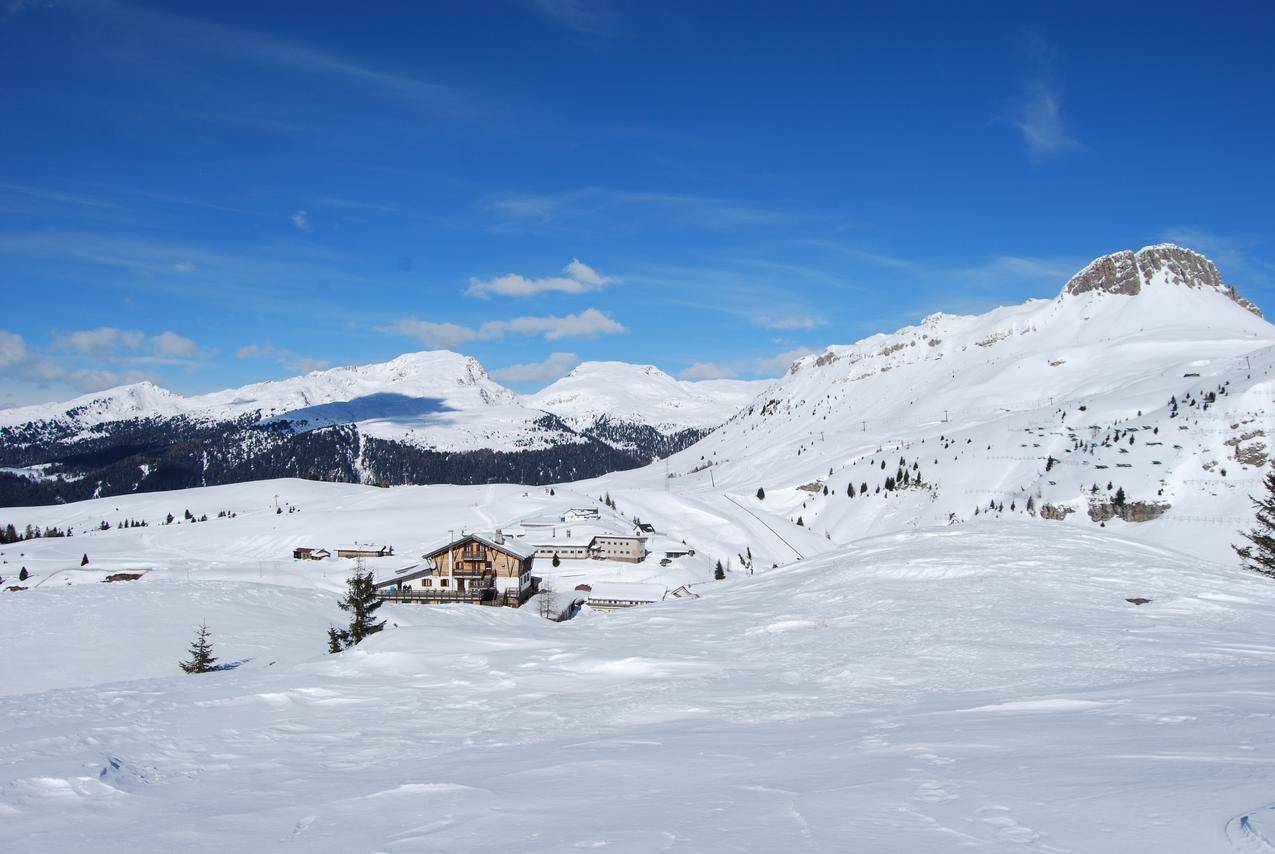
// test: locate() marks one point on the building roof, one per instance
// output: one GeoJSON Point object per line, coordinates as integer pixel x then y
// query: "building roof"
{"type": "Point", "coordinates": [383, 576]}
{"type": "Point", "coordinates": [511, 545]}
{"type": "Point", "coordinates": [627, 591]}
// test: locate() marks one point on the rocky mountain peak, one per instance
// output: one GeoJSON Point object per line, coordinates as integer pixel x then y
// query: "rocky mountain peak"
{"type": "Point", "coordinates": [1127, 273]}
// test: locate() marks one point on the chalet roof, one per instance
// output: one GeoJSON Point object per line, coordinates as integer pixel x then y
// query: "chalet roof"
{"type": "Point", "coordinates": [627, 591]}
{"type": "Point", "coordinates": [384, 576]}
{"type": "Point", "coordinates": [511, 545]}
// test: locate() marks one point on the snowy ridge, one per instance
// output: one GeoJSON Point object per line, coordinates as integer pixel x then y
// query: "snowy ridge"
{"type": "Point", "coordinates": [979, 405]}
{"type": "Point", "coordinates": [642, 394]}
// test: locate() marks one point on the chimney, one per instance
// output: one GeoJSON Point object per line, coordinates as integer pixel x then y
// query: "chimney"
{"type": "Point", "coordinates": [500, 537]}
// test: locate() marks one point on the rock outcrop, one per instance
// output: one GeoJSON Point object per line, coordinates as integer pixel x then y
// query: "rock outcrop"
{"type": "Point", "coordinates": [1127, 273]}
{"type": "Point", "coordinates": [1129, 511]}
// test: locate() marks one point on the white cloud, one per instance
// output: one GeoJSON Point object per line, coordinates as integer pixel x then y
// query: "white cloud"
{"type": "Point", "coordinates": [589, 323]}
{"type": "Point", "coordinates": [109, 342]}
{"type": "Point", "coordinates": [792, 324]}
{"type": "Point", "coordinates": [301, 219]}
{"type": "Point", "coordinates": [707, 371]}
{"type": "Point", "coordinates": [13, 350]}
{"type": "Point", "coordinates": [444, 335]}
{"type": "Point", "coordinates": [171, 345]}
{"type": "Point", "coordinates": [780, 362]}
{"type": "Point", "coordinates": [583, 16]}
{"type": "Point", "coordinates": [556, 365]}
{"type": "Point", "coordinates": [579, 279]}
{"type": "Point", "coordinates": [281, 356]}
{"type": "Point", "coordinates": [185, 267]}
{"type": "Point", "coordinates": [1039, 119]}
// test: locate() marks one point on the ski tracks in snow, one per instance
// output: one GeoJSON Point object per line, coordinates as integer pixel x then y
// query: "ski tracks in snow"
{"type": "Point", "coordinates": [1253, 831]}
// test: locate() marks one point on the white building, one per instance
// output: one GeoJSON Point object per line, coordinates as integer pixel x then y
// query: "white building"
{"type": "Point", "coordinates": [615, 595]}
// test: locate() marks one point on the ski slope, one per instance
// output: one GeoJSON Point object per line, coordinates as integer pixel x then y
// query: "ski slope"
{"type": "Point", "coordinates": [981, 688]}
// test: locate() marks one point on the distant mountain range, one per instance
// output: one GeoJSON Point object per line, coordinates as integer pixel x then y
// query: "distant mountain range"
{"type": "Point", "coordinates": [421, 418]}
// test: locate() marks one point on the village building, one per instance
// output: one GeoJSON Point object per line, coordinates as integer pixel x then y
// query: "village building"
{"type": "Point", "coordinates": [307, 553]}
{"type": "Point", "coordinates": [363, 550]}
{"type": "Point", "coordinates": [589, 542]}
{"type": "Point", "coordinates": [581, 514]}
{"type": "Point", "coordinates": [475, 568]}
{"type": "Point", "coordinates": [617, 595]}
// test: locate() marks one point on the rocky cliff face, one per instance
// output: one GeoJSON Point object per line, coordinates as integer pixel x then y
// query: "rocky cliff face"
{"type": "Point", "coordinates": [1127, 273]}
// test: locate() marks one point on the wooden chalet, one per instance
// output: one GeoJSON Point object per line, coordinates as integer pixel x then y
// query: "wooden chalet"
{"type": "Point", "coordinates": [306, 553]}
{"type": "Point", "coordinates": [477, 569]}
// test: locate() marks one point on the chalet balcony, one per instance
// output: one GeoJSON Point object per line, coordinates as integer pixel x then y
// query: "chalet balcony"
{"type": "Point", "coordinates": [485, 596]}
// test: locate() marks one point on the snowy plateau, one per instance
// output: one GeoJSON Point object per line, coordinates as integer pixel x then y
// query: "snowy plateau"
{"type": "Point", "coordinates": [979, 597]}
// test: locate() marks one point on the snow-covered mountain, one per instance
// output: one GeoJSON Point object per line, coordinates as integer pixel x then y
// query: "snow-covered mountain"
{"type": "Point", "coordinates": [640, 408]}
{"type": "Point", "coordinates": [422, 417]}
{"type": "Point", "coordinates": [1140, 397]}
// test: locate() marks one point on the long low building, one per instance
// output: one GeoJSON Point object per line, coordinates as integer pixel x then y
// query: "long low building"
{"type": "Point", "coordinates": [616, 595]}
{"type": "Point", "coordinates": [587, 542]}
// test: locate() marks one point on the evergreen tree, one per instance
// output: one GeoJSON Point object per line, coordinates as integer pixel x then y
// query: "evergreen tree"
{"type": "Point", "coordinates": [361, 603]}
{"type": "Point", "coordinates": [761, 494]}
{"type": "Point", "coordinates": [1118, 501]}
{"type": "Point", "coordinates": [801, 522]}
{"type": "Point", "coordinates": [556, 560]}
{"type": "Point", "coordinates": [23, 575]}
{"type": "Point", "coordinates": [84, 561]}
{"type": "Point", "coordinates": [719, 573]}
{"type": "Point", "coordinates": [337, 640]}
{"type": "Point", "coordinates": [201, 657]}
{"type": "Point", "coordinates": [1259, 555]}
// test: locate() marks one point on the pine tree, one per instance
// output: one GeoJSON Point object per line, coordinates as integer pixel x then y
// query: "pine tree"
{"type": "Point", "coordinates": [84, 561]}
{"type": "Point", "coordinates": [1259, 555]}
{"type": "Point", "coordinates": [801, 522]}
{"type": "Point", "coordinates": [337, 640]}
{"type": "Point", "coordinates": [360, 603]}
{"type": "Point", "coordinates": [719, 573]}
{"type": "Point", "coordinates": [201, 657]}
{"type": "Point", "coordinates": [761, 494]}
{"type": "Point", "coordinates": [23, 575]}
{"type": "Point", "coordinates": [1118, 501]}
{"type": "Point", "coordinates": [556, 560]}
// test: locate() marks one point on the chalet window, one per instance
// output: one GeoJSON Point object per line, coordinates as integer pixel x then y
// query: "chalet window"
{"type": "Point", "coordinates": [442, 582]}
{"type": "Point", "coordinates": [427, 583]}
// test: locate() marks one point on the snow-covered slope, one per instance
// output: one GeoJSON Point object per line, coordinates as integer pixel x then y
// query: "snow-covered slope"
{"type": "Point", "coordinates": [642, 394]}
{"type": "Point", "coordinates": [639, 408]}
{"type": "Point", "coordinates": [984, 688]}
{"type": "Point", "coordinates": [1019, 412]}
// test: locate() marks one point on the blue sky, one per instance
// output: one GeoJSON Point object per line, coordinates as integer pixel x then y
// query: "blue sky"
{"type": "Point", "coordinates": [212, 194]}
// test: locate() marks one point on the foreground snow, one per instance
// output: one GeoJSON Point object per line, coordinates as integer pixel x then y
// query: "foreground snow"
{"type": "Point", "coordinates": [981, 688]}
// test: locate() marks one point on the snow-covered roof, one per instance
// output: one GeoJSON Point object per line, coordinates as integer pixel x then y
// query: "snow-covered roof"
{"type": "Point", "coordinates": [508, 544]}
{"type": "Point", "coordinates": [627, 591]}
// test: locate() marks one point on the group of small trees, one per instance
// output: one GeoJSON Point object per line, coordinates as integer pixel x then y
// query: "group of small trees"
{"type": "Point", "coordinates": [360, 602]}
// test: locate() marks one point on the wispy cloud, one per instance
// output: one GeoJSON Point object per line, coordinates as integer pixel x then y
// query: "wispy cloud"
{"type": "Point", "coordinates": [1040, 121]}
{"type": "Point", "coordinates": [282, 356]}
{"type": "Point", "coordinates": [26, 365]}
{"type": "Point", "coordinates": [301, 219]}
{"type": "Point", "coordinates": [590, 323]}
{"type": "Point", "coordinates": [584, 208]}
{"type": "Point", "coordinates": [779, 363]}
{"type": "Point", "coordinates": [579, 278]}
{"type": "Point", "coordinates": [1038, 110]}
{"type": "Point", "coordinates": [554, 366]}
{"type": "Point", "coordinates": [590, 17]}
{"type": "Point", "coordinates": [707, 371]}
{"type": "Point", "coordinates": [128, 345]}
{"type": "Point", "coordinates": [797, 323]}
